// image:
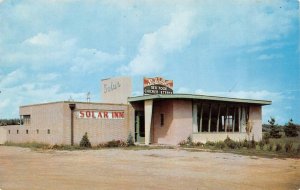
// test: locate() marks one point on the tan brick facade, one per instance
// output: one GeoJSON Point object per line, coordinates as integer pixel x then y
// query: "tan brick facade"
{"type": "Point", "coordinates": [165, 121]}
{"type": "Point", "coordinates": [51, 123]}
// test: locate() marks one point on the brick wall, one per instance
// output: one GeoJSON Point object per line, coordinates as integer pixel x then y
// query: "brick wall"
{"type": "Point", "coordinates": [56, 117]}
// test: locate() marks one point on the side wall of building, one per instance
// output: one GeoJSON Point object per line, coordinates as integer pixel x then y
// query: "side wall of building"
{"type": "Point", "coordinates": [51, 124]}
{"type": "Point", "coordinates": [177, 124]}
{"type": "Point", "coordinates": [45, 125]}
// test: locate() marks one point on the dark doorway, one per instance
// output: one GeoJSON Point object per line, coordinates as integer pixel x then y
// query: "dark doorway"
{"type": "Point", "coordinates": [139, 127]}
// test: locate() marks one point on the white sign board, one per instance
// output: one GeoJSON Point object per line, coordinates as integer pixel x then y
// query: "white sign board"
{"type": "Point", "coordinates": [116, 90]}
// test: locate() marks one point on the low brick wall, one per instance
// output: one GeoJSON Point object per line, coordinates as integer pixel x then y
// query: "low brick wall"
{"type": "Point", "coordinates": [221, 136]}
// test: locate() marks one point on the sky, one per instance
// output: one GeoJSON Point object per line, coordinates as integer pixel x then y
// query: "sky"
{"type": "Point", "coordinates": [56, 49]}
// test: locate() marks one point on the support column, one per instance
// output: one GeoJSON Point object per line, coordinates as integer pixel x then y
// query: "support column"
{"type": "Point", "coordinates": [201, 113]}
{"type": "Point", "coordinates": [233, 120]}
{"type": "Point", "coordinates": [218, 120]}
{"type": "Point", "coordinates": [209, 118]}
{"type": "Point", "coordinates": [148, 105]}
{"type": "Point", "coordinates": [195, 124]}
{"type": "Point", "coordinates": [226, 120]}
{"type": "Point", "coordinates": [239, 119]}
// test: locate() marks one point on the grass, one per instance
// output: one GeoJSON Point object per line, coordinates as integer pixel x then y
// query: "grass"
{"type": "Point", "coordinates": [32, 145]}
{"type": "Point", "coordinates": [229, 146]}
{"type": "Point", "coordinates": [284, 147]}
{"type": "Point", "coordinates": [39, 146]}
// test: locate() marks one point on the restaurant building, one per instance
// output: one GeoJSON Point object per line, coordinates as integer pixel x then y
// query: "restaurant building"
{"type": "Point", "coordinates": [157, 117]}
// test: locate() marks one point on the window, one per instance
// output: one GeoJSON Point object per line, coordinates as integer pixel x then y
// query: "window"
{"type": "Point", "coordinates": [37, 131]}
{"type": "Point", "coordinates": [162, 120]}
{"type": "Point", "coordinates": [25, 119]}
{"type": "Point", "coordinates": [48, 131]}
{"type": "Point", "coordinates": [17, 131]}
{"type": "Point", "coordinates": [221, 117]}
{"type": "Point", "coordinates": [26, 131]}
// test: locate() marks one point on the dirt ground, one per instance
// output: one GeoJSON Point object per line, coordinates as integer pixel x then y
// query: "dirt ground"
{"type": "Point", "coordinates": [22, 168]}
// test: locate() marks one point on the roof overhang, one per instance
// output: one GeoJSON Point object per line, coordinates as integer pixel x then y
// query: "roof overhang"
{"type": "Point", "coordinates": [198, 97]}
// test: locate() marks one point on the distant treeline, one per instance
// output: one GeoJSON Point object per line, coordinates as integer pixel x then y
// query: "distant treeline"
{"type": "Point", "coordinates": [267, 127]}
{"type": "Point", "coordinates": [4, 122]}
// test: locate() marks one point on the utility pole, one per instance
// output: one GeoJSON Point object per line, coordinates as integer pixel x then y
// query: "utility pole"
{"type": "Point", "coordinates": [88, 97]}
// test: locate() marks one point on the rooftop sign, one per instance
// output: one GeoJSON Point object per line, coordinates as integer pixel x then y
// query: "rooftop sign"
{"type": "Point", "coordinates": [158, 85]}
{"type": "Point", "coordinates": [116, 90]}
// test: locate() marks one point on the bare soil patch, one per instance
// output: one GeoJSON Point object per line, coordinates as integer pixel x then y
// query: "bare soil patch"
{"type": "Point", "coordinates": [22, 168]}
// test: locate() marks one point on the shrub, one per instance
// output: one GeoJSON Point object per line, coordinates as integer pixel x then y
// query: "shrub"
{"type": "Point", "coordinates": [252, 143]}
{"type": "Point", "coordinates": [261, 144]}
{"type": "Point", "coordinates": [85, 142]}
{"type": "Point", "coordinates": [288, 147]}
{"type": "Point", "coordinates": [189, 140]}
{"type": "Point", "coordinates": [199, 144]}
{"type": "Point", "coordinates": [266, 138]}
{"type": "Point", "coordinates": [245, 143]}
{"type": "Point", "coordinates": [113, 143]}
{"type": "Point", "coordinates": [230, 143]}
{"type": "Point", "coordinates": [274, 132]}
{"type": "Point", "coordinates": [270, 148]}
{"type": "Point", "coordinates": [298, 149]}
{"type": "Point", "coordinates": [220, 145]}
{"type": "Point", "coordinates": [290, 129]}
{"type": "Point", "coordinates": [183, 143]}
{"type": "Point", "coordinates": [278, 147]}
{"type": "Point", "coordinates": [210, 143]}
{"type": "Point", "coordinates": [130, 141]}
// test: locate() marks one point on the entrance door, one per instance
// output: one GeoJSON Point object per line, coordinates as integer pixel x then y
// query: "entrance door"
{"type": "Point", "coordinates": [139, 127]}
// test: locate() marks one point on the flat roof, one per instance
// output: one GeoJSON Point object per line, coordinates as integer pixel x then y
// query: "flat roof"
{"type": "Point", "coordinates": [71, 102]}
{"type": "Point", "coordinates": [198, 97]}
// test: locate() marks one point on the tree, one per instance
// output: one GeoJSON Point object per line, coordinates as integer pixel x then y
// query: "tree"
{"type": "Point", "coordinates": [290, 129]}
{"type": "Point", "coordinates": [274, 132]}
{"type": "Point", "coordinates": [85, 142]}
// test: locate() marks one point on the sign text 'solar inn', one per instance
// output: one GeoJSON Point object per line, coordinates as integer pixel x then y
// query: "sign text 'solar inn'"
{"type": "Point", "coordinates": [157, 117]}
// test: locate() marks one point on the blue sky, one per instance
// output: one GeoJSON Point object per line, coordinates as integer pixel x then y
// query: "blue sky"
{"type": "Point", "coordinates": [51, 50]}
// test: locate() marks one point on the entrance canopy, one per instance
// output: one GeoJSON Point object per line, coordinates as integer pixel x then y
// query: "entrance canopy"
{"type": "Point", "coordinates": [198, 97]}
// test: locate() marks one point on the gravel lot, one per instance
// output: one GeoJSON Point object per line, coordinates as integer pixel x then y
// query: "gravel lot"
{"type": "Point", "coordinates": [22, 168]}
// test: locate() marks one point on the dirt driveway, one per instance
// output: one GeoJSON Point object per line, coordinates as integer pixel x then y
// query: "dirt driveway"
{"type": "Point", "coordinates": [22, 168]}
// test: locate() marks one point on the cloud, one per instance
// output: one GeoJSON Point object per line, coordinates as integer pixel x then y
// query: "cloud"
{"type": "Point", "coordinates": [93, 60]}
{"type": "Point", "coordinates": [259, 48]}
{"type": "Point", "coordinates": [183, 90]}
{"type": "Point", "coordinates": [47, 76]}
{"type": "Point", "coordinates": [53, 48]}
{"type": "Point", "coordinates": [167, 39]}
{"type": "Point", "coordinates": [43, 39]}
{"type": "Point", "coordinates": [12, 78]}
{"type": "Point", "coordinates": [31, 93]}
{"type": "Point", "coordinates": [218, 27]}
{"type": "Point", "coordinates": [269, 56]}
